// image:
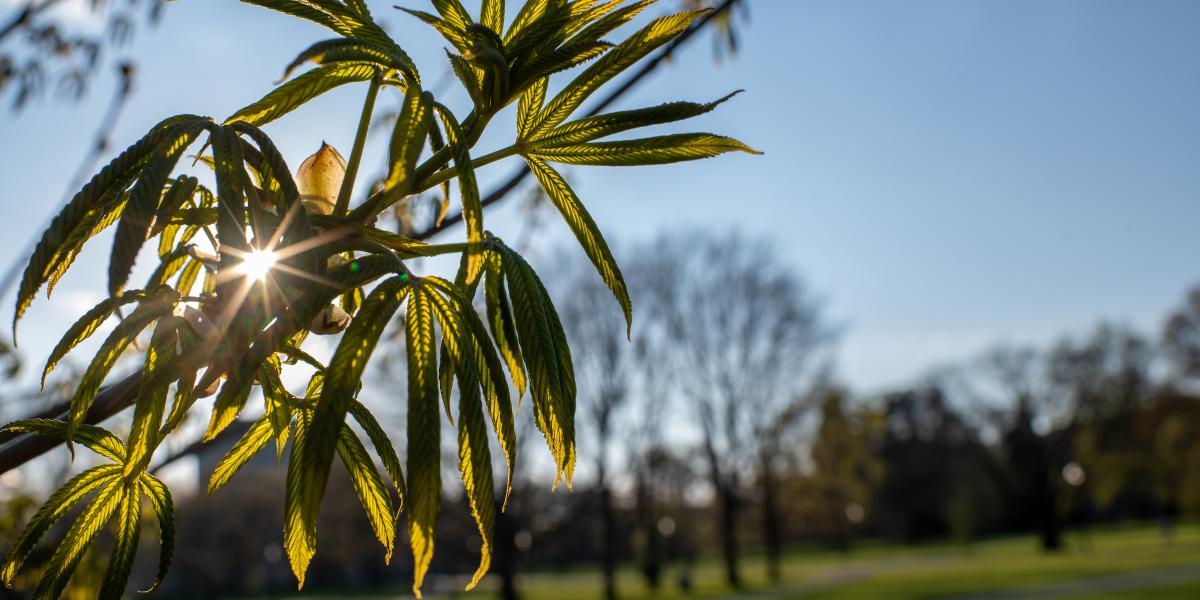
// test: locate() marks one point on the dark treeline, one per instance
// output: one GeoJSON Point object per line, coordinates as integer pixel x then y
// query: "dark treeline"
{"type": "Point", "coordinates": [718, 429]}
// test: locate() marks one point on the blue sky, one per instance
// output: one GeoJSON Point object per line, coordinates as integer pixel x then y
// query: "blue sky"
{"type": "Point", "coordinates": [945, 173]}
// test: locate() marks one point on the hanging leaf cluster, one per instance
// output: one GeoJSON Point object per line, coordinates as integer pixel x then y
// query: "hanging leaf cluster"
{"type": "Point", "coordinates": [249, 268]}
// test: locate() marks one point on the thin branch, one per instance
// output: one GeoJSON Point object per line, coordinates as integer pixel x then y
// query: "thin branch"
{"type": "Point", "coordinates": [25, 15]}
{"type": "Point", "coordinates": [86, 166]}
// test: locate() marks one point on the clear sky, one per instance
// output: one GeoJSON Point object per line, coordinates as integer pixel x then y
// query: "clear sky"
{"type": "Point", "coordinates": [945, 173]}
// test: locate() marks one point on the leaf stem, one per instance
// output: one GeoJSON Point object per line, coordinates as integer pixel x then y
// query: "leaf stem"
{"type": "Point", "coordinates": [473, 127]}
{"type": "Point", "coordinates": [360, 139]}
{"type": "Point", "coordinates": [452, 172]}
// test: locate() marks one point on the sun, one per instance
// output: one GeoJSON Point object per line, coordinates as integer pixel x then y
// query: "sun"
{"type": "Point", "coordinates": [256, 264]}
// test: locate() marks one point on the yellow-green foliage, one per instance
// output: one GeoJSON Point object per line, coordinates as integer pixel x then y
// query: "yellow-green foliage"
{"type": "Point", "coordinates": [244, 332]}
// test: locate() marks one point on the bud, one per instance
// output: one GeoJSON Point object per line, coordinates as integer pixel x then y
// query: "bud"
{"type": "Point", "coordinates": [320, 178]}
{"type": "Point", "coordinates": [332, 319]}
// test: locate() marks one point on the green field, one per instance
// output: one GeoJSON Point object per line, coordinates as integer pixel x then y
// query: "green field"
{"type": "Point", "coordinates": [1110, 563]}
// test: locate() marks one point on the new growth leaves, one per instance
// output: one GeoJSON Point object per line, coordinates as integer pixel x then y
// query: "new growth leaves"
{"type": "Point", "coordinates": [236, 334]}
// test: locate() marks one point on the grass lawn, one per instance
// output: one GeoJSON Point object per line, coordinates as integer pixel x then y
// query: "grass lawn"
{"type": "Point", "coordinates": [1116, 562]}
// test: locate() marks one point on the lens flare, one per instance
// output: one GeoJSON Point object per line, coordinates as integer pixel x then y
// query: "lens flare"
{"type": "Point", "coordinates": [257, 264]}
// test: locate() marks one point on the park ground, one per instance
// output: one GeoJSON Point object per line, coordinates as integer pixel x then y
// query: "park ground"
{"type": "Point", "coordinates": [1133, 561]}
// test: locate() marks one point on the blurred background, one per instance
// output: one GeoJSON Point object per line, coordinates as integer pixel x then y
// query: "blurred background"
{"type": "Point", "coordinates": [941, 340]}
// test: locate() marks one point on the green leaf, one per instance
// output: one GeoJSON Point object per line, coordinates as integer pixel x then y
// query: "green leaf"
{"type": "Point", "coordinates": [184, 398]}
{"type": "Point", "coordinates": [168, 266]}
{"type": "Point", "coordinates": [128, 531]}
{"type": "Point", "coordinates": [230, 400]}
{"type": "Point", "coordinates": [299, 539]}
{"type": "Point", "coordinates": [452, 12]}
{"type": "Point", "coordinates": [475, 464]}
{"type": "Point", "coordinates": [353, 22]}
{"type": "Point", "coordinates": [549, 361]}
{"type": "Point", "coordinates": [601, 20]}
{"type": "Point", "coordinates": [591, 128]}
{"type": "Point", "coordinates": [529, 13]}
{"type": "Point", "coordinates": [621, 57]}
{"type": "Point", "coordinates": [77, 540]}
{"type": "Point", "coordinates": [164, 509]}
{"type": "Point", "coordinates": [545, 30]}
{"type": "Point", "coordinates": [501, 321]}
{"type": "Point", "coordinates": [231, 218]}
{"type": "Point", "coordinates": [57, 505]}
{"type": "Point", "coordinates": [254, 440]}
{"type": "Point", "coordinates": [491, 15]}
{"type": "Point", "coordinates": [151, 401]}
{"type": "Point", "coordinates": [408, 137]}
{"type": "Point", "coordinates": [354, 50]}
{"type": "Point", "coordinates": [303, 88]}
{"type": "Point", "coordinates": [279, 403]}
{"type": "Point", "coordinates": [85, 327]}
{"type": "Point", "coordinates": [585, 44]}
{"type": "Point", "coordinates": [470, 77]}
{"type": "Point", "coordinates": [342, 381]}
{"type": "Point", "coordinates": [585, 12]}
{"type": "Point", "coordinates": [424, 434]}
{"type": "Point", "coordinates": [404, 247]}
{"type": "Point", "coordinates": [98, 219]}
{"type": "Point", "coordinates": [486, 370]}
{"type": "Point", "coordinates": [154, 307]}
{"type": "Point", "coordinates": [472, 209]}
{"type": "Point", "coordinates": [383, 447]}
{"type": "Point", "coordinates": [178, 194]}
{"type": "Point", "coordinates": [98, 440]}
{"type": "Point", "coordinates": [530, 105]}
{"type": "Point", "coordinates": [296, 228]}
{"type": "Point", "coordinates": [303, 9]}
{"type": "Point", "coordinates": [455, 35]}
{"type": "Point", "coordinates": [187, 276]}
{"type": "Point", "coordinates": [648, 151]}
{"type": "Point", "coordinates": [368, 486]}
{"type": "Point", "coordinates": [586, 232]}
{"type": "Point", "coordinates": [109, 182]}
{"type": "Point", "coordinates": [143, 203]}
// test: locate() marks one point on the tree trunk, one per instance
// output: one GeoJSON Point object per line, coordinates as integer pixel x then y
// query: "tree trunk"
{"type": "Point", "coordinates": [505, 556]}
{"type": "Point", "coordinates": [1051, 540]}
{"type": "Point", "coordinates": [651, 562]}
{"type": "Point", "coordinates": [729, 506]}
{"type": "Point", "coordinates": [608, 536]}
{"type": "Point", "coordinates": [771, 525]}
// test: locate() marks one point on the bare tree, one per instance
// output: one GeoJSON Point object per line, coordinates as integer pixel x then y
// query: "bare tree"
{"type": "Point", "coordinates": [603, 362]}
{"type": "Point", "coordinates": [740, 330]}
{"type": "Point", "coordinates": [1181, 337]}
{"type": "Point", "coordinates": [39, 52]}
{"type": "Point", "coordinates": [1104, 380]}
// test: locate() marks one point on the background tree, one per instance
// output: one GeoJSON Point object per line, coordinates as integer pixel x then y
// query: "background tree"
{"type": "Point", "coordinates": [1016, 375]}
{"type": "Point", "coordinates": [603, 370]}
{"type": "Point", "coordinates": [939, 477]}
{"type": "Point", "coordinates": [1104, 379]}
{"type": "Point", "coordinates": [1181, 336]}
{"type": "Point", "coordinates": [845, 471]}
{"type": "Point", "coordinates": [741, 331]}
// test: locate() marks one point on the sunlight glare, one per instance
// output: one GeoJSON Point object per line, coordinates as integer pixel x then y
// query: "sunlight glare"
{"type": "Point", "coordinates": [257, 264]}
